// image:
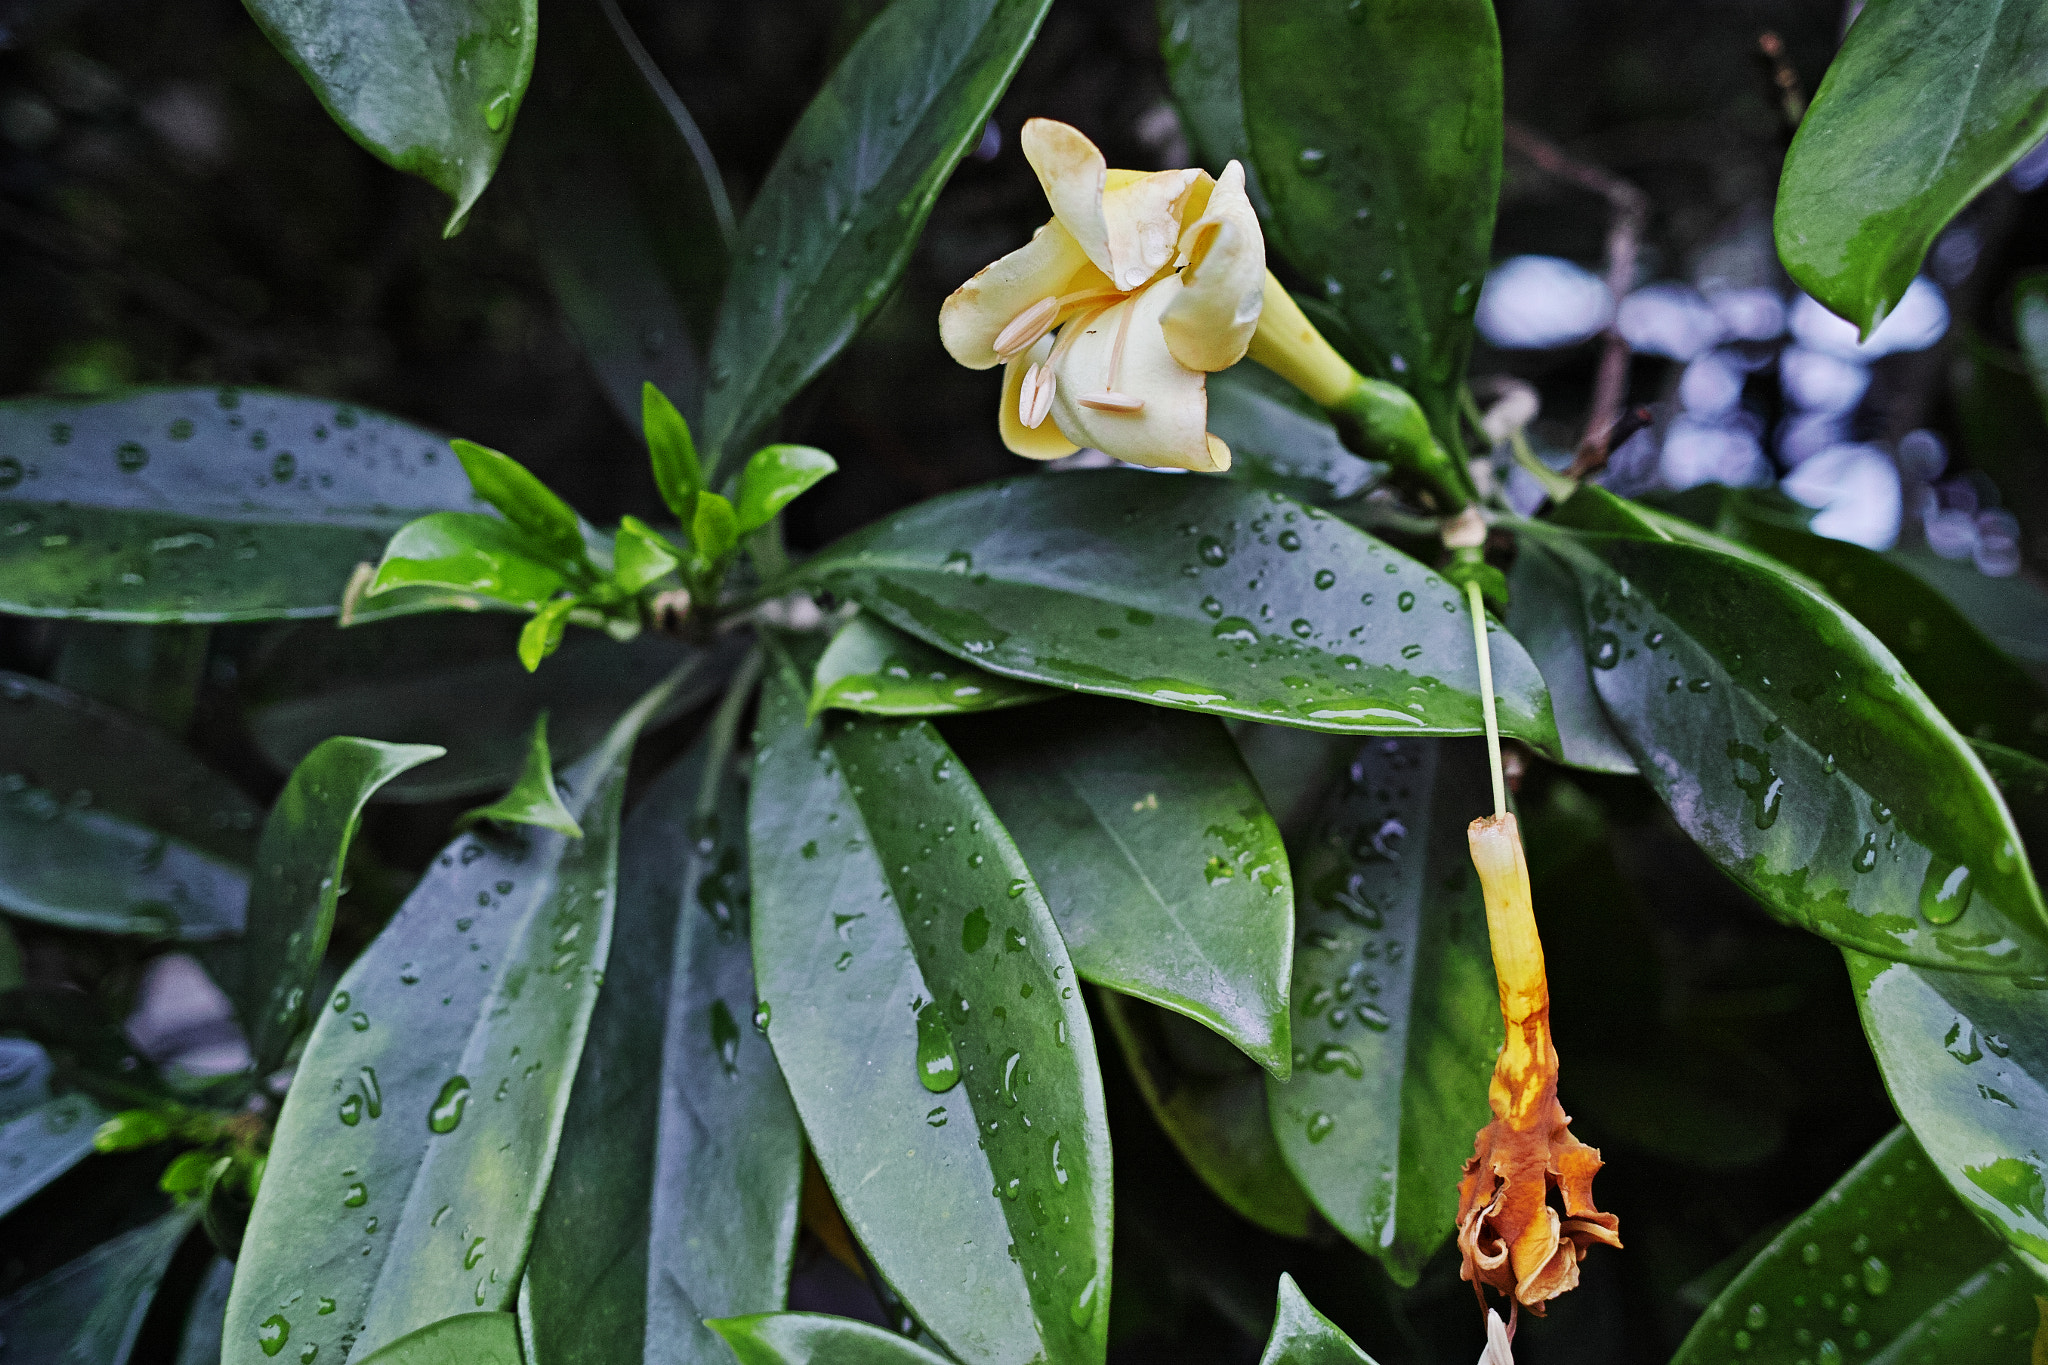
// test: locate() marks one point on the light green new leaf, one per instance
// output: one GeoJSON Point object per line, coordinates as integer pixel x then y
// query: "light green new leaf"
{"type": "Point", "coordinates": [465, 1339]}
{"type": "Point", "coordinates": [1927, 103]}
{"type": "Point", "coordinates": [677, 472]}
{"type": "Point", "coordinates": [714, 529]}
{"type": "Point", "coordinates": [815, 1339]}
{"type": "Point", "coordinates": [110, 827]}
{"type": "Point", "coordinates": [873, 668]}
{"type": "Point", "coordinates": [89, 1311]}
{"type": "Point", "coordinates": [300, 863]}
{"type": "Point", "coordinates": [429, 87]}
{"type": "Point", "coordinates": [1202, 594]}
{"type": "Point", "coordinates": [776, 476]}
{"type": "Point", "coordinates": [549, 523]}
{"type": "Point", "coordinates": [836, 219]}
{"type": "Point", "coordinates": [923, 1007]}
{"type": "Point", "coordinates": [542, 633]}
{"type": "Point", "coordinates": [533, 799]}
{"type": "Point", "coordinates": [1886, 1267]}
{"type": "Point", "coordinates": [674, 1198]}
{"type": "Point", "coordinates": [196, 505]}
{"type": "Point", "coordinates": [1303, 1336]}
{"type": "Point", "coordinates": [640, 555]}
{"type": "Point", "coordinates": [413, 1150]}
{"type": "Point", "coordinates": [1153, 847]}
{"type": "Point", "coordinates": [1396, 1014]}
{"type": "Point", "coordinates": [470, 552]}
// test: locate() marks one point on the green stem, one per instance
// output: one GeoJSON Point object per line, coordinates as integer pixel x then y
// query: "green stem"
{"type": "Point", "coordinates": [1557, 487]}
{"type": "Point", "coordinates": [725, 726]}
{"type": "Point", "coordinates": [1383, 421]}
{"type": "Point", "coordinates": [1479, 642]}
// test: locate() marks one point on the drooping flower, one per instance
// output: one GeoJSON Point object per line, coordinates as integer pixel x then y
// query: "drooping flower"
{"type": "Point", "coordinates": [1109, 320]}
{"type": "Point", "coordinates": [1511, 1234]}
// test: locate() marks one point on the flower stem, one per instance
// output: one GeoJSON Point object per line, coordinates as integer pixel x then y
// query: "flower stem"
{"type": "Point", "coordinates": [1479, 642]}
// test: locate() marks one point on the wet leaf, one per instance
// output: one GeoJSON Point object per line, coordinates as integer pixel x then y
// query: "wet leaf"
{"type": "Point", "coordinates": [533, 507]}
{"type": "Point", "coordinates": [681, 1154]}
{"type": "Point", "coordinates": [1794, 750]}
{"type": "Point", "coordinates": [835, 221]}
{"type": "Point", "coordinates": [42, 1134]}
{"type": "Point", "coordinates": [1924, 106]}
{"type": "Point", "coordinates": [165, 505]}
{"type": "Point", "coordinates": [1211, 1100]}
{"type": "Point", "coordinates": [428, 88]}
{"type": "Point", "coordinates": [413, 1149]}
{"type": "Point", "coordinates": [899, 939]}
{"type": "Point", "coordinates": [153, 673]}
{"type": "Point", "coordinates": [89, 1311]}
{"type": "Point", "coordinates": [1149, 838]}
{"type": "Point", "coordinates": [803, 1338]}
{"type": "Point", "coordinates": [1302, 1336]}
{"type": "Point", "coordinates": [1886, 1266]}
{"type": "Point", "coordinates": [465, 1339]}
{"type": "Point", "coordinates": [469, 552]}
{"type": "Point", "coordinates": [1376, 130]}
{"type": "Point", "coordinates": [1202, 594]}
{"type": "Point", "coordinates": [2023, 781]}
{"type": "Point", "coordinates": [776, 476]}
{"type": "Point", "coordinates": [876, 669]}
{"type": "Point", "coordinates": [1199, 39]}
{"type": "Point", "coordinates": [199, 1342]}
{"type": "Point", "coordinates": [300, 864]}
{"type": "Point", "coordinates": [1280, 440]}
{"type": "Point", "coordinates": [108, 826]}
{"type": "Point", "coordinates": [533, 799]}
{"type": "Point", "coordinates": [1544, 614]}
{"type": "Point", "coordinates": [1396, 1015]}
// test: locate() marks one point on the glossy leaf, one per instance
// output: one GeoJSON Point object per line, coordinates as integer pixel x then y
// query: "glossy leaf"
{"type": "Point", "coordinates": [629, 217]}
{"type": "Point", "coordinates": [533, 799]}
{"type": "Point", "coordinates": [673, 452]}
{"type": "Point", "coordinates": [2023, 781]}
{"type": "Point", "coordinates": [1886, 1266]}
{"type": "Point", "coordinates": [876, 669]}
{"type": "Point", "coordinates": [454, 680]}
{"type": "Point", "coordinates": [641, 555]}
{"type": "Point", "coordinates": [1396, 1017]}
{"type": "Point", "coordinates": [1377, 133]}
{"type": "Point", "coordinates": [1149, 839]}
{"type": "Point", "coordinates": [301, 865]}
{"type": "Point", "coordinates": [714, 529]}
{"type": "Point", "coordinates": [939, 980]}
{"type": "Point", "coordinates": [543, 631]}
{"type": "Point", "coordinates": [108, 826]}
{"type": "Point", "coordinates": [674, 1198]}
{"type": "Point", "coordinates": [469, 552]}
{"type": "Point", "coordinates": [1794, 750]}
{"type": "Point", "coordinates": [430, 89]}
{"type": "Point", "coordinates": [1544, 614]}
{"type": "Point", "coordinates": [2011, 612]}
{"type": "Point", "coordinates": [1199, 39]}
{"type": "Point", "coordinates": [165, 505]}
{"type": "Point", "coordinates": [402, 1186]}
{"type": "Point", "coordinates": [1965, 1058]}
{"type": "Point", "coordinates": [776, 476]}
{"type": "Point", "coordinates": [1280, 440]}
{"type": "Point", "coordinates": [526, 502]}
{"type": "Point", "coordinates": [1202, 594]}
{"type": "Point", "coordinates": [199, 1341]}
{"type": "Point", "coordinates": [465, 1339]}
{"type": "Point", "coordinates": [42, 1134]}
{"type": "Point", "coordinates": [90, 1311]}
{"type": "Point", "coordinates": [1211, 1100]}
{"type": "Point", "coordinates": [1924, 106]}
{"type": "Point", "coordinates": [1302, 1336]}
{"type": "Point", "coordinates": [153, 673]}
{"type": "Point", "coordinates": [815, 1339]}
{"type": "Point", "coordinates": [835, 221]}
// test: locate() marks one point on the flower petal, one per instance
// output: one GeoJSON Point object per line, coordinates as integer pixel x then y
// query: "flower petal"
{"type": "Point", "coordinates": [1043, 442]}
{"type": "Point", "coordinates": [1167, 431]}
{"type": "Point", "coordinates": [978, 310]}
{"type": "Point", "coordinates": [1072, 173]}
{"type": "Point", "coordinates": [1224, 280]}
{"type": "Point", "coordinates": [1128, 222]}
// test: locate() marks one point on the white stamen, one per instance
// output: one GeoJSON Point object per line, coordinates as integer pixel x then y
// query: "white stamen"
{"type": "Point", "coordinates": [1110, 401]}
{"type": "Point", "coordinates": [1116, 351]}
{"type": "Point", "coordinates": [1034, 395]}
{"type": "Point", "coordinates": [1027, 327]}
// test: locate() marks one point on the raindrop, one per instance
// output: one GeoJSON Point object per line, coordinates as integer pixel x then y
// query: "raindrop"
{"type": "Point", "coordinates": [1406, 601]}
{"type": "Point", "coordinates": [448, 1106]}
{"type": "Point", "coordinates": [974, 930]}
{"type": "Point", "coordinates": [341, 1002]}
{"type": "Point", "coordinates": [1758, 1317]}
{"type": "Point", "coordinates": [1303, 627]}
{"type": "Point", "coordinates": [1810, 1253]}
{"type": "Point", "coordinates": [1312, 160]}
{"type": "Point", "coordinates": [10, 471]}
{"type": "Point", "coordinates": [497, 109]}
{"type": "Point", "coordinates": [283, 467]}
{"type": "Point", "coordinates": [1325, 579]}
{"type": "Point", "coordinates": [958, 562]}
{"type": "Point", "coordinates": [272, 1333]}
{"type": "Point", "coordinates": [1289, 541]}
{"type": "Point", "coordinates": [1944, 892]}
{"type": "Point", "coordinates": [1320, 1126]}
{"type": "Point", "coordinates": [1018, 886]}
{"type": "Point", "coordinates": [1766, 790]}
{"type": "Point", "coordinates": [1331, 1057]}
{"type": "Point", "coordinates": [409, 974]}
{"type": "Point", "coordinates": [359, 1021]}
{"type": "Point", "coordinates": [473, 1255]}
{"type": "Point", "coordinates": [1606, 650]}
{"type": "Point", "coordinates": [1013, 1079]}
{"type": "Point", "coordinates": [762, 1014]}
{"type": "Point", "coordinates": [1866, 856]}
{"type": "Point", "coordinates": [725, 1038]}
{"type": "Point", "coordinates": [938, 1065]}
{"type": "Point", "coordinates": [1212, 552]}
{"type": "Point", "coordinates": [1059, 1171]}
{"type": "Point", "coordinates": [1235, 630]}
{"type": "Point", "coordinates": [352, 1110]}
{"type": "Point", "coordinates": [356, 1195]}
{"type": "Point", "coordinates": [1877, 1277]}
{"type": "Point", "coordinates": [131, 456]}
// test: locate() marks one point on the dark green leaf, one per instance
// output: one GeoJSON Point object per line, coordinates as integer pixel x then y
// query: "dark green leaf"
{"type": "Point", "coordinates": [151, 672]}
{"type": "Point", "coordinates": [2011, 612]}
{"type": "Point", "coordinates": [841, 209]}
{"type": "Point", "coordinates": [42, 1134]}
{"type": "Point", "coordinates": [1211, 1100]}
{"type": "Point", "coordinates": [714, 529]}
{"type": "Point", "coordinates": [629, 216]}
{"type": "Point", "coordinates": [464, 1339]}
{"type": "Point", "coordinates": [454, 680]}
{"type": "Point", "coordinates": [1302, 1336]}
{"type": "Point", "coordinates": [641, 555]}
{"type": "Point", "coordinates": [300, 865]}
{"type": "Point", "coordinates": [876, 669]}
{"type": "Point", "coordinates": [1199, 40]}
{"type": "Point", "coordinates": [922, 1006]}
{"type": "Point", "coordinates": [1925, 105]}
{"type": "Point", "coordinates": [533, 799]}
{"type": "Point", "coordinates": [1377, 133]}
{"type": "Point", "coordinates": [2030, 319]}
{"type": "Point", "coordinates": [1965, 1058]}
{"type": "Point", "coordinates": [1148, 836]}
{"type": "Point", "coordinates": [1544, 614]}
{"type": "Point", "coordinates": [1280, 440]}
{"type": "Point", "coordinates": [1886, 1267]}
{"type": "Point", "coordinates": [776, 476]}
{"type": "Point", "coordinates": [469, 552]}
{"type": "Point", "coordinates": [2023, 781]}
{"type": "Point", "coordinates": [204, 504]}
{"type": "Point", "coordinates": [1396, 1017]}
{"type": "Point", "coordinates": [89, 1311]}
{"type": "Point", "coordinates": [428, 88]}
{"type": "Point", "coordinates": [1794, 750]}
{"type": "Point", "coordinates": [681, 1150]}
{"type": "Point", "coordinates": [529, 504]}
{"type": "Point", "coordinates": [199, 1343]}
{"type": "Point", "coordinates": [814, 1339]}
{"type": "Point", "coordinates": [401, 1182]}
{"type": "Point", "coordinates": [1196, 593]}
{"type": "Point", "coordinates": [106, 825]}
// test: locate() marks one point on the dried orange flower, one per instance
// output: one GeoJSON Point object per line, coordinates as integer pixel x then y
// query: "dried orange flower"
{"type": "Point", "coordinates": [1513, 1236]}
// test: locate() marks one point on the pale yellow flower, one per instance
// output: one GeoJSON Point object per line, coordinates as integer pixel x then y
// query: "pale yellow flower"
{"type": "Point", "coordinates": [1109, 320]}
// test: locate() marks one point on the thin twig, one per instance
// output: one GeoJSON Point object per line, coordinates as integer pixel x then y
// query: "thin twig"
{"type": "Point", "coordinates": [1629, 214]}
{"type": "Point", "coordinates": [1791, 97]}
{"type": "Point", "coordinates": [1594, 450]}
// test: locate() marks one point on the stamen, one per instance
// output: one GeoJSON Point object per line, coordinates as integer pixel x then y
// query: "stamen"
{"type": "Point", "coordinates": [1111, 401]}
{"type": "Point", "coordinates": [1116, 352]}
{"type": "Point", "coordinates": [1027, 327]}
{"type": "Point", "coordinates": [1034, 395]}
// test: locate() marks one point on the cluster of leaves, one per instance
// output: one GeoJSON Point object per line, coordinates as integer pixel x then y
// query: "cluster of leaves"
{"type": "Point", "coordinates": [1196, 752]}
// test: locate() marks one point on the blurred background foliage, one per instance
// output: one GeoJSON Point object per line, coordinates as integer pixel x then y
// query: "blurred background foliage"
{"type": "Point", "coordinates": [175, 207]}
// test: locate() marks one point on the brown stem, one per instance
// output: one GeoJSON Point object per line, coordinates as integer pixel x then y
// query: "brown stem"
{"type": "Point", "coordinates": [1791, 96]}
